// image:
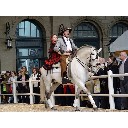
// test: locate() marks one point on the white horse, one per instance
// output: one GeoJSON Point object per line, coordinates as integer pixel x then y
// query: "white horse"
{"type": "Point", "coordinates": [83, 62]}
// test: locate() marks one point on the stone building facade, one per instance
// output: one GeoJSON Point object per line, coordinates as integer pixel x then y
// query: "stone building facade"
{"type": "Point", "coordinates": [50, 25]}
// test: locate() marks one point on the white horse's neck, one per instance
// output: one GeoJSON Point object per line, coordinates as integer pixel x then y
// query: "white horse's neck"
{"type": "Point", "coordinates": [84, 56]}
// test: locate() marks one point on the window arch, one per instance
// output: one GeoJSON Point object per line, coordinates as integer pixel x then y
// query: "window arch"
{"type": "Point", "coordinates": [86, 33]}
{"type": "Point", "coordinates": [117, 30]}
{"type": "Point", "coordinates": [85, 30]}
{"type": "Point", "coordinates": [27, 29]}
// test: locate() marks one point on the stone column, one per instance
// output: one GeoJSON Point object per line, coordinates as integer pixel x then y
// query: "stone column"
{"type": "Point", "coordinates": [105, 48]}
{"type": "Point", "coordinates": [46, 46]}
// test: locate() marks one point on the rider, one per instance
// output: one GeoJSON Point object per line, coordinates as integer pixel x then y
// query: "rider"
{"type": "Point", "coordinates": [54, 57]}
{"type": "Point", "coordinates": [65, 47]}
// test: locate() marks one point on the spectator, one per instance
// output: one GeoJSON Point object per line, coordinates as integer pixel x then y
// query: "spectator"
{"type": "Point", "coordinates": [12, 77]}
{"type": "Point", "coordinates": [5, 86]}
{"type": "Point", "coordinates": [97, 89]}
{"type": "Point", "coordinates": [114, 67]}
{"type": "Point", "coordinates": [23, 87]}
{"type": "Point", "coordinates": [124, 80]}
{"type": "Point", "coordinates": [103, 84]}
{"type": "Point", "coordinates": [35, 76]}
{"type": "Point", "coordinates": [24, 69]}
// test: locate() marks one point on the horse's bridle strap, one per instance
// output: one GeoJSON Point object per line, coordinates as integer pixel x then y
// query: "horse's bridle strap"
{"type": "Point", "coordinates": [82, 63]}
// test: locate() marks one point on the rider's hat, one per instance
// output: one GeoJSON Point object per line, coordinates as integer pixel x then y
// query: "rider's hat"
{"type": "Point", "coordinates": [62, 29]}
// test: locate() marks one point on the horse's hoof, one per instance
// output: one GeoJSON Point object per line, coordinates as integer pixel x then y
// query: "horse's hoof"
{"type": "Point", "coordinates": [46, 105]}
{"type": "Point", "coordinates": [77, 109]}
{"type": "Point", "coordinates": [53, 108]}
{"type": "Point", "coordinates": [42, 102]}
{"type": "Point", "coordinates": [95, 109]}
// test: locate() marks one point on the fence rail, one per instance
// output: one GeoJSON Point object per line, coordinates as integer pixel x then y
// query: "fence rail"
{"type": "Point", "coordinates": [111, 94]}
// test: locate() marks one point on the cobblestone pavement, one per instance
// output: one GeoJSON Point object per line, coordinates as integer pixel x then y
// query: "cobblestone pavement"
{"type": "Point", "coordinates": [40, 108]}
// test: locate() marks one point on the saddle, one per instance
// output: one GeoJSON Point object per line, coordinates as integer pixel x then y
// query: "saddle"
{"type": "Point", "coordinates": [68, 61]}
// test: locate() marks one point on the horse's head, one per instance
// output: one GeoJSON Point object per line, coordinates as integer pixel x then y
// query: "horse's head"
{"type": "Point", "coordinates": [88, 57]}
{"type": "Point", "coordinates": [94, 59]}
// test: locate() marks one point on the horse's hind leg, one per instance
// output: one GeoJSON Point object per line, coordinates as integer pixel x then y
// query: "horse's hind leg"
{"type": "Point", "coordinates": [77, 98]}
{"type": "Point", "coordinates": [48, 101]}
{"type": "Point", "coordinates": [42, 90]}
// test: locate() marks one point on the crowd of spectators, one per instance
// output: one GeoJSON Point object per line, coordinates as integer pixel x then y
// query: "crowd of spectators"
{"type": "Point", "coordinates": [6, 83]}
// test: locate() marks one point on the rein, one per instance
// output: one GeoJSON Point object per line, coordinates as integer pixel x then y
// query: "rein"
{"type": "Point", "coordinates": [83, 64]}
{"type": "Point", "coordinates": [89, 64]}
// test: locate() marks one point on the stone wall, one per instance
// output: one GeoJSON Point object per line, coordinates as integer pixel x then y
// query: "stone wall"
{"type": "Point", "coordinates": [51, 25]}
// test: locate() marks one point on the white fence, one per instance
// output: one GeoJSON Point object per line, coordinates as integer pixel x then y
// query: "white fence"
{"type": "Point", "coordinates": [110, 87]}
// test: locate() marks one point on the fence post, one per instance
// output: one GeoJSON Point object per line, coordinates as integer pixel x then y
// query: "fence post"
{"type": "Point", "coordinates": [14, 91]}
{"type": "Point", "coordinates": [31, 90]}
{"type": "Point", "coordinates": [111, 90]}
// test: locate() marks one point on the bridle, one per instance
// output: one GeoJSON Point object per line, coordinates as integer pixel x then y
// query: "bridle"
{"type": "Point", "coordinates": [88, 66]}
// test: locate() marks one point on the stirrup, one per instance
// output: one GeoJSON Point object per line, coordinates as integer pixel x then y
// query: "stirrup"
{"type": "Point", "coordinates": [66, 77]}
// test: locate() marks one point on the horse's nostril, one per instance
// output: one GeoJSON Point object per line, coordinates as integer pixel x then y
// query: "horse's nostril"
{"type": "Point", "coordinates": [98, 64]}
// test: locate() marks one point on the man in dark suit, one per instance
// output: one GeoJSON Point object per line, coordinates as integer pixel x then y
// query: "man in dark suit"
{"type": "Point", "coordinates": [124, 79]}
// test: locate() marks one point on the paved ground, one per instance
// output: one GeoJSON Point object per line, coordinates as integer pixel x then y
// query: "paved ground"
{"type": "Point", "coordinates": [40, 108]}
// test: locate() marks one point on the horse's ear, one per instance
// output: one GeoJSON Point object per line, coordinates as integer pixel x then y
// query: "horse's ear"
{"type": "Point", "coordinates": [99, 50]}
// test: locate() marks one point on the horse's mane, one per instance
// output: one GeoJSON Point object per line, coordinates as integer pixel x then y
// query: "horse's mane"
{"type": "Point", "coordinates": [86, 46]}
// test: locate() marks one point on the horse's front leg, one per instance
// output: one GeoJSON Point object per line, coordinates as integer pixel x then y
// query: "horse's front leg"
{"type": "Point", "coordinates": [90, 98]}
{"type": "Point", "coordinates": [88, 94]}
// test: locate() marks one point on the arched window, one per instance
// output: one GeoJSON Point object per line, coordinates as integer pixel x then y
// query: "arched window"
{"type": "Point", "coordinates": [29, 45]}
{"type": "Point", "coordinates": [86, 33]}
{"type": "Point", "coordinates": [117, 30]}
{"type": "Point", "coordinates": [28, 29]}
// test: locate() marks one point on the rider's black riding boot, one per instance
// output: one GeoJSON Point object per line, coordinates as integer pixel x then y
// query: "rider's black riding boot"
{"type": "Point", "coordinates": [65, 78]}
{"type": "Point", "coordinates": [65, 75]}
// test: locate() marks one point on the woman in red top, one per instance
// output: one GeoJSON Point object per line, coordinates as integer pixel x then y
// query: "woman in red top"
{"type": "Point", "coordinates": [54, 57]}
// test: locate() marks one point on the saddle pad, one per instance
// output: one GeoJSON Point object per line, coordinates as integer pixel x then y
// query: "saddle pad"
{"type": "Point", "coordinates": [56, 65]}
{"type": "Point", "coordinates": [56, 70]}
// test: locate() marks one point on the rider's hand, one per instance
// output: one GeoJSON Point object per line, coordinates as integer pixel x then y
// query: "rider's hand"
{"type": "Point", "coordinates": [59, 52]}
